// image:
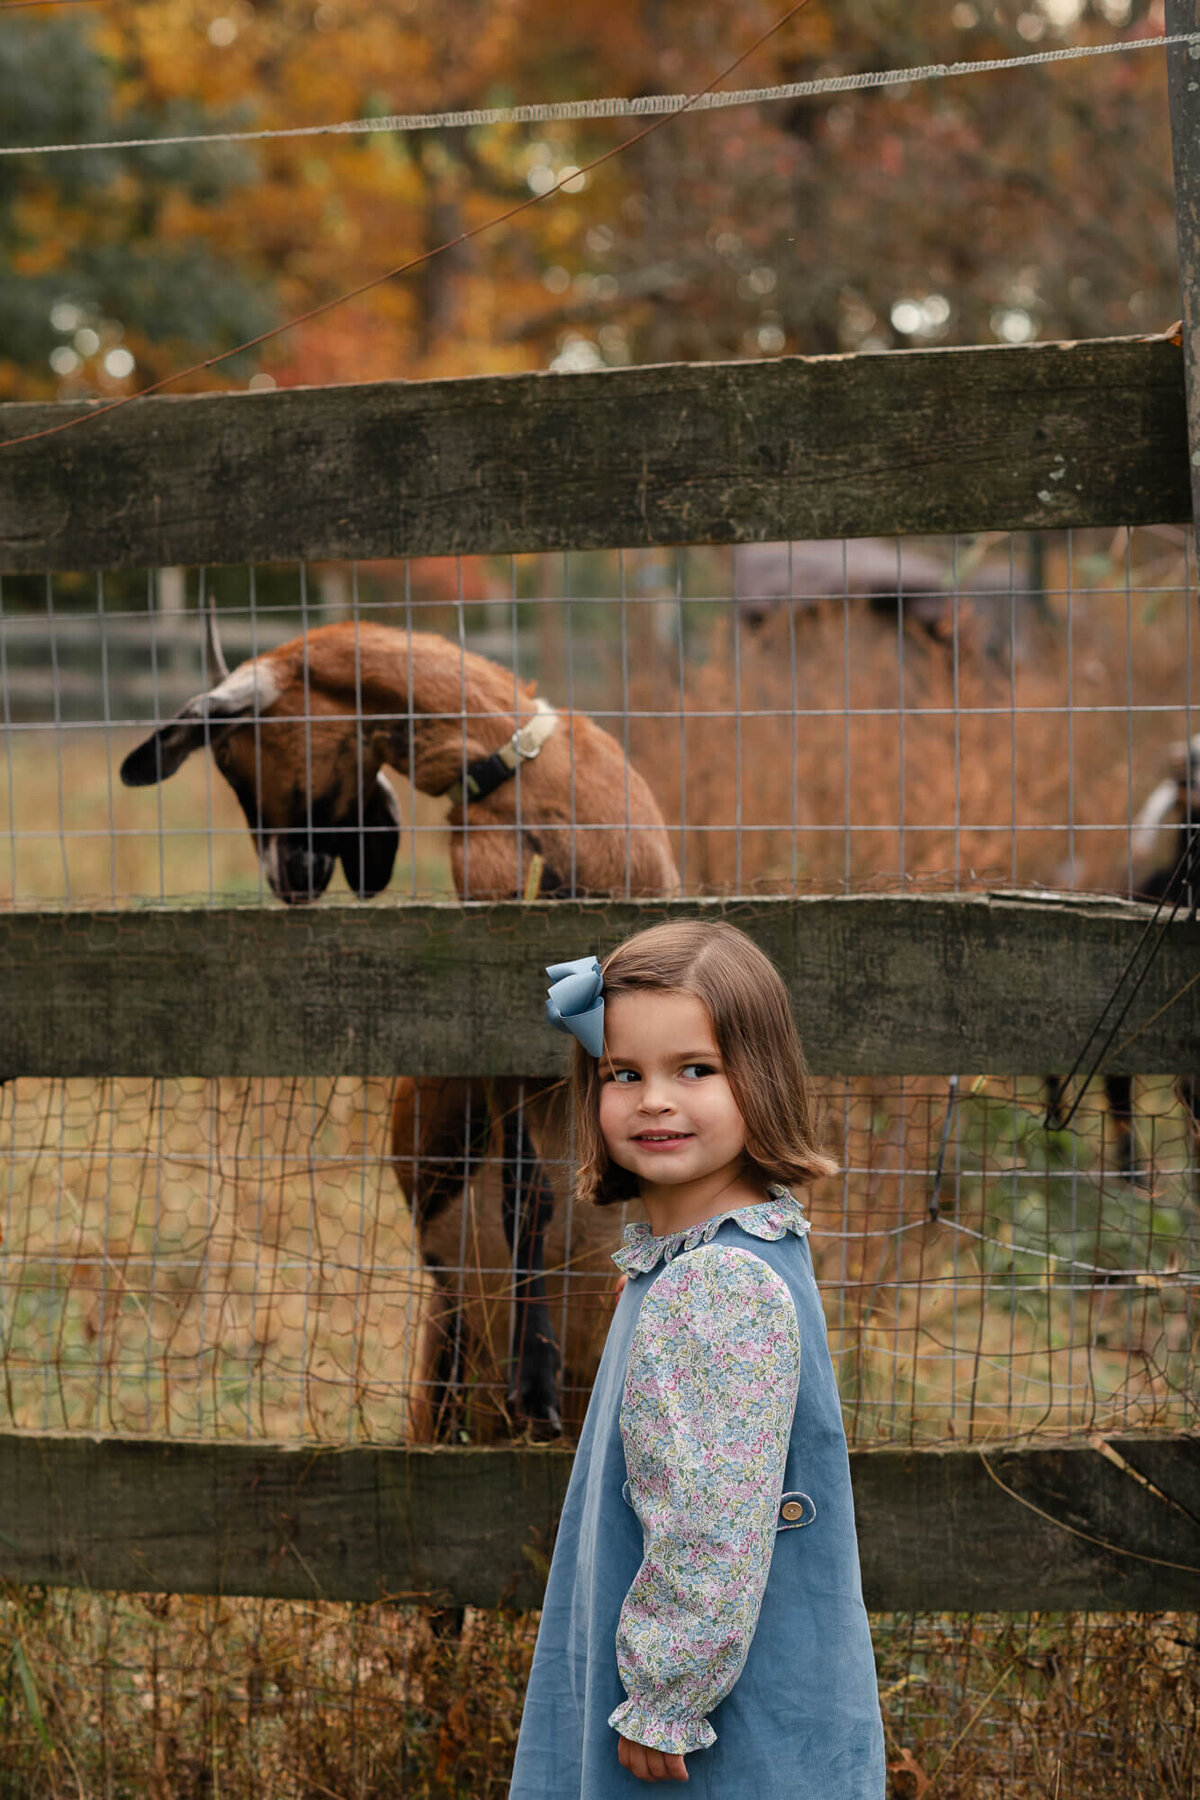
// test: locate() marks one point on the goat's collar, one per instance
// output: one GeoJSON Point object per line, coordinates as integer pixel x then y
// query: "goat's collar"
{"type": "Point", "coordinates": [490, 772]}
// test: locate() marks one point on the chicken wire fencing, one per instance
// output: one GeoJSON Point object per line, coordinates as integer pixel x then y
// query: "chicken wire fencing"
{"type": "Point", "coordinates": [234, 1259]}
{"type": "Point", "coordinates": [238, 1259]}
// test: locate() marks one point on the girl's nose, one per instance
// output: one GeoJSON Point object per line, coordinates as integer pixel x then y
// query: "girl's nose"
{"type": "Point", "coordinates": [653, 1098]}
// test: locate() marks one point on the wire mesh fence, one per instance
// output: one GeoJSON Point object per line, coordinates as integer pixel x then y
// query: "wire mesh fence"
{"type": "Point", "coordinates": [237, 1259]}
{"type": "Point", "coordinates": [242, 1259]}
{"type": "Point", "coordinates": [850, 715]}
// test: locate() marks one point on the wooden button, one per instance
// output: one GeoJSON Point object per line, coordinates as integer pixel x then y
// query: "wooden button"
{"type": "Point", "coordinates": [792, 1510]}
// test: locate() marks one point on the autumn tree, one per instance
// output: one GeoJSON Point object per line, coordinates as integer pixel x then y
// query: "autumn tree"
{"type": "Point", "coordinates": [998, 207]}
{"type": "Point", "coordinates": [103, 273]}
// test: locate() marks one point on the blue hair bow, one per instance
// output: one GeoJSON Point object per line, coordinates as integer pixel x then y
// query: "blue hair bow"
{"type": "Point", "coordinates": [575, 1002]}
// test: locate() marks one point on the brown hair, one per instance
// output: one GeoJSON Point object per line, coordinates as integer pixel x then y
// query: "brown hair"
{"type": "Point", "coordinates": [755, 1034]}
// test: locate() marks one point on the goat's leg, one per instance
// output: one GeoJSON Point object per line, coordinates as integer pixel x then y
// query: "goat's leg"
{"type": "Point", "coordinates": [435, 1411]}
{"type": "Point", "coordinates": [1118, 1090]}
{"type": "Point", "coordinates": [528, 1208]}
{"type": "Point", "coordinates": [1056, 1095]}
{"type": "Point", "coordinates": [440, 1131]}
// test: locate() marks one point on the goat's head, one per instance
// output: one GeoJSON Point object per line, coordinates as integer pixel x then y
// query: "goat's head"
{"type": "Point", "coordinates": [308, 778]}
{"type": "Point", "coordinates": [896, 581]}
{"type": "Point", "coordinates": [1173, 806]}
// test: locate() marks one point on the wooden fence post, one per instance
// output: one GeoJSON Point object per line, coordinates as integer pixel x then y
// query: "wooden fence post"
{"type": "Point", "coordinates": [1183, 86]}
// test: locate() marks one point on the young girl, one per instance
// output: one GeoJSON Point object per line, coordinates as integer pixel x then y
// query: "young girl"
{"type": "Point", "coordinates": [703, 1618]}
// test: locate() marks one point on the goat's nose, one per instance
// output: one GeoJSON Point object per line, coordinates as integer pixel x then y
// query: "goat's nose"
{"type": "Point", "coordinates": [303, 875]}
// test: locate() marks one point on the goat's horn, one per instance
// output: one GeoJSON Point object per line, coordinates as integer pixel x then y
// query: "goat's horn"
{"type": "Point", "coordinates": [216, 656]}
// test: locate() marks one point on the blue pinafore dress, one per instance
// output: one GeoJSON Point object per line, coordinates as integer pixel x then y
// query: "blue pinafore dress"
{"type": "Point", "coordinates": [704, 1594]}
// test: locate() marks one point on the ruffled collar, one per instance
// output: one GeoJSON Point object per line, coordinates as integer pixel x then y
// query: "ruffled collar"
{"type": "Point", "coordinates": [771, 1219]}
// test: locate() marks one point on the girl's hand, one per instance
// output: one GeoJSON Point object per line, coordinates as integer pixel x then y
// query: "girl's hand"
{"type": "Point", "coordinates": [648, 1764]}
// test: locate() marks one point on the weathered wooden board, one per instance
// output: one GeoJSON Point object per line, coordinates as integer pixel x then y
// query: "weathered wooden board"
{"type": "Point", "coordinates": [475, 1527]}
{"type": "Point", "coordinates": [1006, 984]}
{"type": "Point", "coordinates": [262, 1519]}
{"type": "Point", "coordinates": [937, 1532]}
{"type": "Point", "coordinates": [798, 447]}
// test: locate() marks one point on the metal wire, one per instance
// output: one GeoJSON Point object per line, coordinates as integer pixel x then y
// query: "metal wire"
{"type": "Point", "coordinates": [546, 112]}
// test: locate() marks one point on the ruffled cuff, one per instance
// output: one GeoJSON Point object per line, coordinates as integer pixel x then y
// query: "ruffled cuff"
{"type": "Point", "coordinates": [638, 1722]}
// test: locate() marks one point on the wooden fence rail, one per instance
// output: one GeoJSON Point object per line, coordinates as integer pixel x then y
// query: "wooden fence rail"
{"type": "Point", "coordinates": [1007, 983]}
{"type": "Point", "coordinates": [1112, 1525]}
{"type": "Point", "coordinates": [1003, 438]}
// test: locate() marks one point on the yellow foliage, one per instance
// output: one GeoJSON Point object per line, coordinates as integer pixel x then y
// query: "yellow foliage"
{"type": "Point", "coordinates": [733, 233]}
{"type": "Point", "coordinates": [323, 215]}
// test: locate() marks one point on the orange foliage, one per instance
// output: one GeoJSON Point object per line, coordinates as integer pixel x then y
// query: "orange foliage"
{"type": "Point", "coordinates": [1037, 198]}
{"type": "Point", "coordinates": [1009, 206]}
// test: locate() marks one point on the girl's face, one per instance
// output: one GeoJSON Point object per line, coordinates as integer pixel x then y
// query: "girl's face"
{"type": "Point", "coordinates": [667, 1111]}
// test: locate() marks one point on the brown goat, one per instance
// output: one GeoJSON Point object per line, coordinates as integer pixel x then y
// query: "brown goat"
{"type": "Point", "coordinates": [303, 734]}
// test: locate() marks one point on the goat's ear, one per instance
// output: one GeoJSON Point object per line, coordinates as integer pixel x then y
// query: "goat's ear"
{"type": "Point", "coordinates": [368, 856]}
{"type": "Point", "coordinates": [205, 720]}
{"type": "Point", "coordinates": [165, 749]}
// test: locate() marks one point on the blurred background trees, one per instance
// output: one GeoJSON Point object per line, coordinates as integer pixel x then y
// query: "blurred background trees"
{"type": "Point", "coordinates": [1000, 208]}
{"type": "Point", "coordinates": [111, 263]}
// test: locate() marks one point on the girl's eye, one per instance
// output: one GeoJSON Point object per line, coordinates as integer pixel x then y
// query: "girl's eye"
{"type": "Point", "coordinates": [695, 1070]}
{"type": "Point", "coordinates": [623, 1077]}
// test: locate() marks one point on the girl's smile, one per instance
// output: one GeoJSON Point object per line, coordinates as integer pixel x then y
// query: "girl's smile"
{"type": "Point", "coordinates": [667, 1111]}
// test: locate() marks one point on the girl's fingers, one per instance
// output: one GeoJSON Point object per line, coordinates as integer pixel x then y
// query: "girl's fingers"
{"type": "Point", "coordinates": [649, 1764]}
{"type": "Point", "coordinates": [632, 1757]}
{"type": "Point", "coordinates": [635, 1756]}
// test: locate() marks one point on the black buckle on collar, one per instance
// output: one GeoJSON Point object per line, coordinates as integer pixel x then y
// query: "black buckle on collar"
{"type": "Point", "coordinates": [485, 776]}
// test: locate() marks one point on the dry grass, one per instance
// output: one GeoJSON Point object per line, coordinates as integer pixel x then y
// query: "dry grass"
{"type": "Point", "coordinates": [1047, 1297]}
{"type": "Point", "coordinates": [935, 769]}
{"type": "Point", "coordinates": [199, 1258]}
{"type": "Point", "coordinates": [883, 760]}
{"type": "Point", "coordinates": [146, 1698]}
{"type": "Point", "coordinates": [169, 1698]}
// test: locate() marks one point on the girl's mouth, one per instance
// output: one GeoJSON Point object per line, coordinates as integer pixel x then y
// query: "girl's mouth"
{"type": "Point", "coordinates": [662, 1140]}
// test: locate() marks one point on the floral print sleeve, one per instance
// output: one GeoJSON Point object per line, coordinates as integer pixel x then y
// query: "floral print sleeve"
{"type": "Point", "coordinates": [710, 1392]}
